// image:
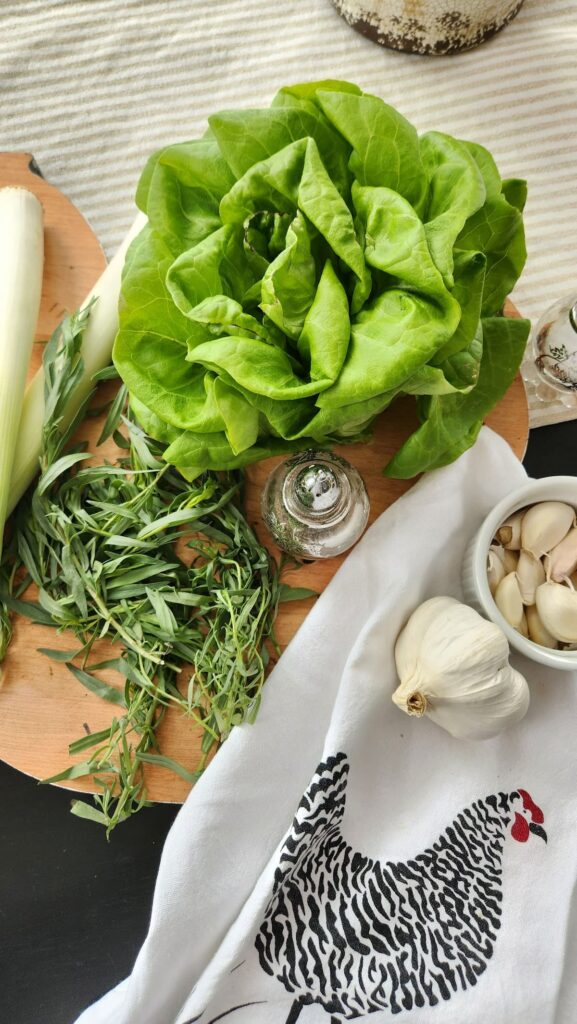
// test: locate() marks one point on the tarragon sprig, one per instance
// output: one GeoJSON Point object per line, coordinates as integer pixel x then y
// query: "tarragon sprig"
{"type": "Point", "coordinates": [168, 570]}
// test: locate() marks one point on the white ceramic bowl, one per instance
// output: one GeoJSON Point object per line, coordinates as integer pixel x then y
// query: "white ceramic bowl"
{"type": "Point", "coordinates": [475, 584]}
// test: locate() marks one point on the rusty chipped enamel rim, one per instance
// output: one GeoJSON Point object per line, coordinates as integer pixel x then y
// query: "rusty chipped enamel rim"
{"type": "Point", "coordinates": [434, 27]}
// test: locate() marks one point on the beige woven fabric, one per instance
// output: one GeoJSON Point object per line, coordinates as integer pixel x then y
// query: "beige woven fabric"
{"type": "Point", "coordinates": [91, 87]}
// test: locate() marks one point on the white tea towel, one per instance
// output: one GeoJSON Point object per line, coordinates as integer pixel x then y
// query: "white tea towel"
{"type": "Point", "coordinates": [92, 87]}
{"type": "Point", "coordinates": [340, 861]}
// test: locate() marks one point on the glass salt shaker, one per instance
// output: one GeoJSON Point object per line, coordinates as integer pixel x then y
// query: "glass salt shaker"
{"type": "Point", "coordinates": [315, 505]}
{"type": "Point", "coordinates": [550, 365]}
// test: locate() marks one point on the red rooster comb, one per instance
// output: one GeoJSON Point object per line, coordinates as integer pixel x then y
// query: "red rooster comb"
{"type": "Point", "coordinates": [522, 827]}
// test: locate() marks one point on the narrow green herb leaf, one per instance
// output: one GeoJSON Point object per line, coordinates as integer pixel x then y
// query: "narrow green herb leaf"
{"type": "Point", "coordinates": [58, 468]}
{"type": "Point", "coordinates": [55, 655]}
{"type": "Point", "coordinates": [164, 616]}
{"type": "Point", "coordinates": [167, 762]}
{"type": "Point", "coordinates": [97, 686]}
{"type": "Point", "coordinates": [5, 632]}
{"type": "Point", "coordinates": [76, 771]}
{"type": "Point", "coordinates": [108, 373]}
{"type": "Point", "coordinates": [30, 609]}
{"type": "Point", "coordinates": [28, 558]}
{"type": "Point", "coordinates": [83, 810]}
{"type": "Point", "coordinates": [91, 740]}
{"type": "Point", "coordinates": [181, 517]}
{"type": "Point", "coordinates": [288, 593]}
{"type": "Point", "coordinates": [114, 414]}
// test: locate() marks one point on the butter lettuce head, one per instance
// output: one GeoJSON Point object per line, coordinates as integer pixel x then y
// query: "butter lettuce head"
{"type": "Point", "coordinates": [305, 264]}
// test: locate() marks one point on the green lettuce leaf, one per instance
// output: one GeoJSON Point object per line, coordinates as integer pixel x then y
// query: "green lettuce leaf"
{"type": "Point", "coordinates": [289, 284]}
{"type": "Point", "coordinates": [453, 421]}
{"type": "Point", "coordinates": [385, 145]}
{"type": "Point", "coordinates": [193, 453]}
{"type": "Point", "coordinates": [306, 264]}
{"type": "Point", "coordinates": [497, 231]}
{"type": "Point", "coordinates": [246, 137]}
{"type": "Point", "coordinates": [180, 191]}
{"type": "Point", "coordinates": [456, 191]}
{"type": "Point", "coordinates": [390, 340]}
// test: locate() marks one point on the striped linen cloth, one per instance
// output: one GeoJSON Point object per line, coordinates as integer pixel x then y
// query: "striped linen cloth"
{"type": "Point", "coordinates": [92, 87]}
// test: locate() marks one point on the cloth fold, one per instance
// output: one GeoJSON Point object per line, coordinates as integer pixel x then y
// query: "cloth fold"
{"type": "Point", "coordinates": [340, 861]}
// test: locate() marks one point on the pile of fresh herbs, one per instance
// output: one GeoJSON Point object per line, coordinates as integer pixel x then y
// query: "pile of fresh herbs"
{"type": "Point", "coordinates": [169, 571]}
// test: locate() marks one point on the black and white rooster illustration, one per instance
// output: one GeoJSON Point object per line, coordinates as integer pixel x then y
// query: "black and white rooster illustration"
{"type": "Point", "coordinates": [357, 936]}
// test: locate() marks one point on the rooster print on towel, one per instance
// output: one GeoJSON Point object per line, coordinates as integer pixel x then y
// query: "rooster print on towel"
{"type": "Point", "coordinates": [357, 935]}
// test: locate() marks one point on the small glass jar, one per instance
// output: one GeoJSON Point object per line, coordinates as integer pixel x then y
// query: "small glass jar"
{"type": "Point", "coordinates": [550, 365]}
{"type": "Point", "coordinates": [315, 505]}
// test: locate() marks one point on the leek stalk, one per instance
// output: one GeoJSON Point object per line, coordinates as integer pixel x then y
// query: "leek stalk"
{"type": "Point", "coordinates": [21, 267]}
{"type": "Point", "coordinates": [96, 354]}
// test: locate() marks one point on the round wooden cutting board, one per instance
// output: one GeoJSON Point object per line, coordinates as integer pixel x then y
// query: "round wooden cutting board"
{"type": "Point", "coordinates": [42, 707]}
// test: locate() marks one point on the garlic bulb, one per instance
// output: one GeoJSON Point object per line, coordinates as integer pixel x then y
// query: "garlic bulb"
{"type": "Point", "coordinates": [530, 575]}
{"type": "Point", "coordinates": [454, 668]}
{"type": "Point", "coordinates": [495, 569]}
{"type": "Point", "coordinates": [545, 525]}
{"type": "Point", "coordinates": [509, 534]}
{"type": "Point", "coordinates": [562, 560]}
{"type": "Point", "coordinates": [508, 600]}
{"type": "Point", "coordinates": [557, 607]}
{"type": "Point", "coordinates": [537, 632]}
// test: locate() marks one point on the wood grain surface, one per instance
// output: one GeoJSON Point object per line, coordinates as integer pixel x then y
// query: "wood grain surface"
{"type": "Point", "coordinates": [42, 707]}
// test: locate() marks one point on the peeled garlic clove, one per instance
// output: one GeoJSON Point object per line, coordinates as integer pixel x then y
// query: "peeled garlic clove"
{"type": "Point", "coordinates": [530, 575]}
{"type": "Point", "coordinates": [499, 551]}
{"type": "Point", "coordinates": [509, 534]}
{"type": "Point", "coordinates": [545, 525]}
{"type": "Point", "coordinates": [523, 627]}
{"type": "Point", "coordinates": [510, 559]}
{"type": "Point", "coordinates": [537, 632]}
{"type": "Point", "coordinates": [495, 570]}
{"type": "Point", "coordinates": [557, 608]}
{"type": "Point", "coordinates": [562, 559]}
{"type": "Point", "coordinates": [508, 600]}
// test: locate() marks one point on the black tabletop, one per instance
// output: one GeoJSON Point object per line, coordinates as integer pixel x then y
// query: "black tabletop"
{"type": "Point", "coordinates": [74, 909]}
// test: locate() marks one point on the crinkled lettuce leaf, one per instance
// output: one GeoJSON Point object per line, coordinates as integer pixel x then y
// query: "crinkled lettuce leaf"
{"type": "Point", "coordinates": [306, 264]}
{"type": "Point", "coordinates": [453, 421]}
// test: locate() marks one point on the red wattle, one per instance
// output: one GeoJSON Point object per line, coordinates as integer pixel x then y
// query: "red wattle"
{"type": "Point", "coordinates": [528, 803]}
{"type": "Point", "coordinates": [520, 830]}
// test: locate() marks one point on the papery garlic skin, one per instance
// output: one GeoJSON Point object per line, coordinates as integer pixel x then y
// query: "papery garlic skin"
{"type": "Point", "coordinates": [508, 600]}
{"type": "Point", "coordinates": [561, 561]}
{"type": "Point", "coordinates": [454, 668]}
{"type": "Point", "coordinates": [545, 525]}
{"type": "Point", "coordinates": [537, 632]}
{"type": "Point", "coordinates": [507, 704]}
{"type": "Point", "coordinates": [509, 533]}
{"type": "Point", "coordinates": [530, 575]}
{"type": "Point", "coordinates": [557, 608]}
